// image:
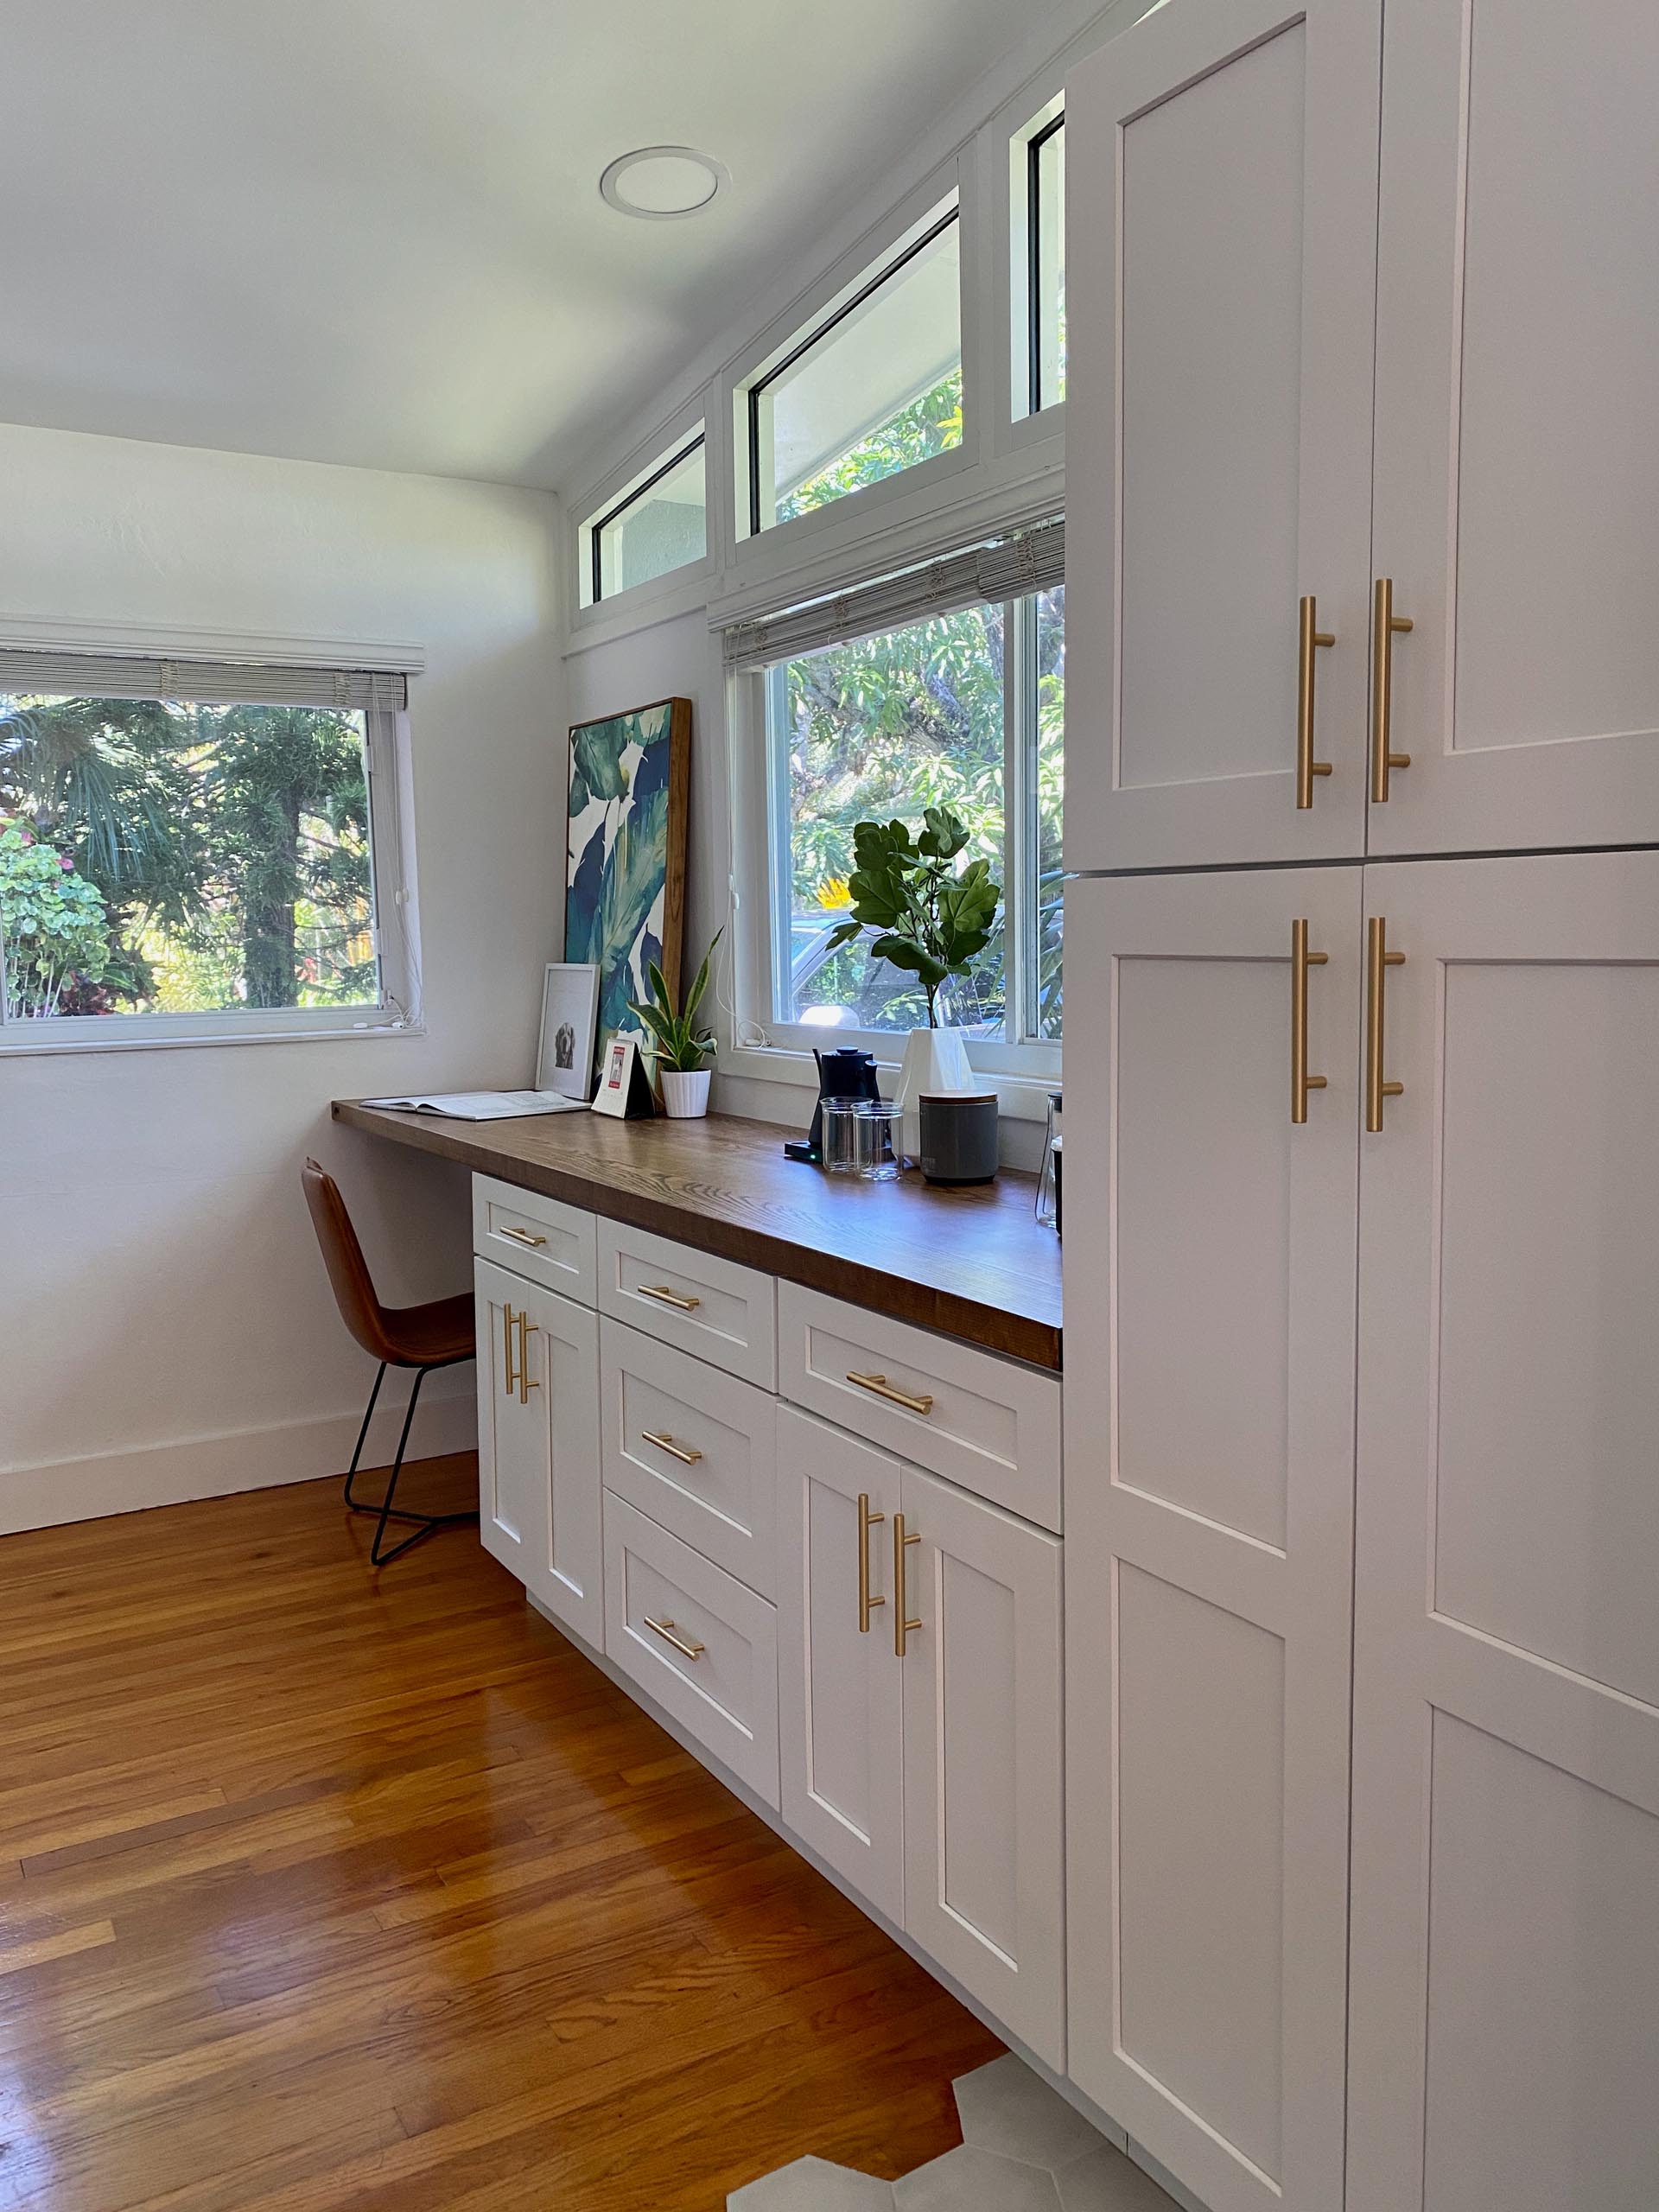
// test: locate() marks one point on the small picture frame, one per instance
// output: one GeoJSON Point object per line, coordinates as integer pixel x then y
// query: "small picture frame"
{"type": "Point", "coordinates": [565, 1057]}
{"type": "Point", "coordinates": [623, 1086]}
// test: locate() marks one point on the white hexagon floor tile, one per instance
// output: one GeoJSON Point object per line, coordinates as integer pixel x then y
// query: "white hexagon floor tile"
{"type": "Point", "coordinates": [1024, 2149]}
{"type": "Point", "coordinates": [813, 2185]}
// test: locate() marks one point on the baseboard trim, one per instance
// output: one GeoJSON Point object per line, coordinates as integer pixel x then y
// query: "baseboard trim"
{"type": "Point", "coordinates": [101, 1483]}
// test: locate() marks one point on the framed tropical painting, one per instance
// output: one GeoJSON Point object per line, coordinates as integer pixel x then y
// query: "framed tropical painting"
{"type": "Point", "coordinates": [630, 787]}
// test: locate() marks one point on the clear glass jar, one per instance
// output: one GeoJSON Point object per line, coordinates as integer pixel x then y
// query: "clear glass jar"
{"type": "Point", "coordinates": [858, 1139]}
{"type": "Point", "coordinates": [1048, 1181]}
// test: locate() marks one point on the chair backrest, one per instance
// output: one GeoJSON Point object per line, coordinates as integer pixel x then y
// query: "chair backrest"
{"type": "Point", "coordinates": [348, 1271]}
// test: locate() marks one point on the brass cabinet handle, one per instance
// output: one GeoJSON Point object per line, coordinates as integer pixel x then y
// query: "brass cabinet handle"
{"type": "Point", "coordinates": [1384, 624]}
{"type": "Point", "coordinates": [521, 1236]}
{"type": "Point", "coordinates": [879, 1387]}
{"type": "Point", "coordinates": [527, 1329]}
{"type": "Point", "coordinates": [1378, 961]}
{"type": "Point", "coordinates": [1300, 961]}
{"type": "Point", "coordinates": [867, 1521]}
{"type": "Point", "coordinates": [901, 1541]}
{"type": "Point", "coordinates": [1307, 768]}
{"type": "Point", "coordinates": [660, 1290]}
{"type": "Point", "coordinates": [670, 1635]}
{"type": "Point", "coordinates": [687, 1454]}
{"type": "Point", "coordinates": [508, 1317]}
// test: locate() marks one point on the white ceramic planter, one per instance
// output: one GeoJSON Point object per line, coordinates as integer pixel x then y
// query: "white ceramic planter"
{"type": "Point", "coordinates": [685, 1097]}
{"type": "Point", "coordinates": [935, 1059]}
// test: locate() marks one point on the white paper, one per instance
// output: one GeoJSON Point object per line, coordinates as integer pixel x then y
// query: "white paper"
{"type": "Point", "coordinates": [485, 1105]}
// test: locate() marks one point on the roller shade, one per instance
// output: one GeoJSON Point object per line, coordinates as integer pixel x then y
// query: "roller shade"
{"type": "Point", "coordinates": [204, 683]}
{"type": "Point", "coordinates": [1030, 561]}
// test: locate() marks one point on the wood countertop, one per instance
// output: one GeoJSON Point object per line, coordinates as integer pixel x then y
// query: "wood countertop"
{"type": "Point", "coordinates": [971, 1263]}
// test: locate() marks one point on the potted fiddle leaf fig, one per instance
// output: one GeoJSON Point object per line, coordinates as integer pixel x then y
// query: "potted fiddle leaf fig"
{"type": "Point", "coordinates": [932, 919]}
{"type": "Point", "coordinates": [678, 1045]}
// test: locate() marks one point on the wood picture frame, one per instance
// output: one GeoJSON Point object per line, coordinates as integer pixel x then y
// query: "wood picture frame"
{"type": "Point", "coordinates": [628, 793]}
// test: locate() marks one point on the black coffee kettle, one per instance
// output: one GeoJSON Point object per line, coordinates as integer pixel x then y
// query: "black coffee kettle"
{"type": "Point", "coordinates": [844, 1074]}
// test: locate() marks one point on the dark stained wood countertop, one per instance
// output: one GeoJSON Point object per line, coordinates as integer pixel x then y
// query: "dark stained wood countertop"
{"type": "Point", "coordinates": [971, 1263]}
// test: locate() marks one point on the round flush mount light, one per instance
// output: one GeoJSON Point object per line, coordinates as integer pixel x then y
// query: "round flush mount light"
{"type": "Point", "coordinates": [663, 182]}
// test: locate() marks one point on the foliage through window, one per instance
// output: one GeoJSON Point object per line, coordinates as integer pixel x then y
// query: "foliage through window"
{"type": "Point", "coordinates": [965, 710]}
{"type": "Point", "coordinates": [165, 857]}
{"type": "Point", "coordinates": [873, 389]}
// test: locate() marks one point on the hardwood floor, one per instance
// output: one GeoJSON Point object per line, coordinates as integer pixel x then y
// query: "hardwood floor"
{"type": "Point", "coordinates": [322, 1891]}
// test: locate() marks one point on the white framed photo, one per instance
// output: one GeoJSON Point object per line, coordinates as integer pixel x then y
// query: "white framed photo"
{"type": "Point", "coordinates": [564, 1057]}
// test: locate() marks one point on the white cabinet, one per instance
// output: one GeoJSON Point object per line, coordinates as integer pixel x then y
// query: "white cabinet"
{"type": "Point", "coordinates": [921, 1714]}
{"type": "Point", "coordinates": [1210, 1265]}
{"type": "Point", "coordinates": [840, 1682]}
{"type": "Point", "coordinates": [1242, 291]}
{"type": "Point", "coordinates": [1221, 163]}
{"type": "Point", "coordinates": [1517, 421]}
{"type": "Point", "coordinates": [538, 1462]}
{"type": "Point", "coordinates": [1506, 2028]}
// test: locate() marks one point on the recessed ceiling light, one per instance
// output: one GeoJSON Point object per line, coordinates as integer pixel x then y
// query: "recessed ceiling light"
{"type": "Point", "coordinates": [662, 183]}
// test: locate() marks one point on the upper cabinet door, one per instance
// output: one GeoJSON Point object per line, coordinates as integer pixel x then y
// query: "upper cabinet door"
{"type": "Point", "coordinates": [1517, 423]}
{"type": "Point", "coordinates": [1222, 158]}
{"type": "Point", "coordinates": [1209, 1260]}
{"type": "Point", "coordinates": [1506, 1964]}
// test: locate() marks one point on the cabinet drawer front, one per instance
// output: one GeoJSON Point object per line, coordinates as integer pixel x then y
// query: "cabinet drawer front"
{"type": "Point", "coordinates": [693, 1448]}
{"type": "Point", "coordinates": [537, 1237]}
{"type": "Point", "coordinates": [989, 1425]}
{"type": "Point", "coordinates": [694, 1639]}
{"type": "Point", "coordinates": [723, 1313]}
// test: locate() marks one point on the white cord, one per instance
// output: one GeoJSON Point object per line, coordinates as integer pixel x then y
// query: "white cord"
{"type": "Point", "coordinates": [757, 1035]}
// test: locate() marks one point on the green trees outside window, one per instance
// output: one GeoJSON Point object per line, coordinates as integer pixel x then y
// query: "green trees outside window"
{"type": "Point", "coordinates": [161, 857]}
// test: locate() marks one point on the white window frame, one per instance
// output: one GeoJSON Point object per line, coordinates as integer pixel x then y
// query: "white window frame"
{"type": "Point", "coordinates": [690, 438]}
{"type": "Point", "coordinates": [869, 264]}
{"type": "Point", "coordinates": [393, 919]}
{"type": "Point", "coordinates": [1023, 1068]}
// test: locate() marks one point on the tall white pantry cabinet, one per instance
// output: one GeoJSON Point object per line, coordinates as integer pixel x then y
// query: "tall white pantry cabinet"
{"type": "Point", "coordinates": [1362, 1559]}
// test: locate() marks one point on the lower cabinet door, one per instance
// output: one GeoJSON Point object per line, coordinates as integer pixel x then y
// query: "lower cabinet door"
{"type": "Point", "coordinates": [539, 1443]}
{"type": "Point", "coordinates": [979, 1596]}
{"type": "Point", "coordinates": [841, 1717]}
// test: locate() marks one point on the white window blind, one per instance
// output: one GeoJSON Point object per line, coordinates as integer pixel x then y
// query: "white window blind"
{"type": "Point", "coordinates": [204, 683]}
{"type": "Point", "coordinates": [1032, 561]}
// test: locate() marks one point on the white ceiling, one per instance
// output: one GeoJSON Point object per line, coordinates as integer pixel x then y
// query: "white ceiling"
{"type": "Point", "coordinates": [370, 231]}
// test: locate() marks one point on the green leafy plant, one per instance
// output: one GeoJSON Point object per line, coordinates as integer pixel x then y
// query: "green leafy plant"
{"type": "Point", "coordinates": [52, 928]}
{"type": "Point", "coordinates": [932, 920]}
{"type": "Point", "coordinates": [679, 1044]}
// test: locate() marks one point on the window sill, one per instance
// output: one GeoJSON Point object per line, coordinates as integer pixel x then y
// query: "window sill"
{"type": "Point", "coordinates": [15, 1047]}
{"type": "Point", "coordinates": [1020, 1097]}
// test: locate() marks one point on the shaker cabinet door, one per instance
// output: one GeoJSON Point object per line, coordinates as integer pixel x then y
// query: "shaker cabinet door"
{"type": "Point", "coordinates": [1209, 1226]}
{"type": "Point", "coordinates": [1505, 2042]}
{"type": "Point", "coordinates": [1517, 423]}
{"type": "Point", "coordinates": [1221, 220]}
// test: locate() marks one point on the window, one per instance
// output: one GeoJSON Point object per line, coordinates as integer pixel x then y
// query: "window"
{"type": "Point", "coordinates": [660, 522]}
{"type": "Point", "coordinates": [197, 850]}
{"type": "Point", "coordinates": [966, 709]}
{"type": "Point", "coordinates": [874, 388]}
{"type": "Point", "coordinates": [1038, 179]}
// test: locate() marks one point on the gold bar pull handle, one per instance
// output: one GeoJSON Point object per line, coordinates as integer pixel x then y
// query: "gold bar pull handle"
{"type": "Point", "coordinates": [867, 1521]}
{"type": "Point", "coordinates": [879, 1387]}
{"type": "Point", "coordinates": [664, 1296]}
{"type": "Point", "coordinates": [902, 1627]}
{"type": "Point", "coordinates": [1309, 636]}
{"type": "Point", "coordinates": [527, 1329]}
{"type": "Point", "coordinates": [521, 1236]}
{"type": "Point", "coordinates": [687, 1454]}
{"type": "Point", "coordinates": [669, 1634]}
{"type": "Point", "coordinates": [508, 1318]}
{"type": "Point", "coordinates": [1301, 1082]}
{"type": "Point", "coordinates": [1378, 961]}
{"type": "Point", "coordinates": [1384, 624]}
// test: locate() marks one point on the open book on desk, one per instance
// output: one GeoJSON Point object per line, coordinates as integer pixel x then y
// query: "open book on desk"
{"type": "Point", "coordinates": [485, 1105]}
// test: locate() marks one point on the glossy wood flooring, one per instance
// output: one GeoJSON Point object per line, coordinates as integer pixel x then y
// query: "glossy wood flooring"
{"type": "Point", "coordinates": [322, 1891]}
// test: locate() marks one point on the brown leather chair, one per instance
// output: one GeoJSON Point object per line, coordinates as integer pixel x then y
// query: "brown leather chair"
{"type": "Point", "coordinates": [440, 1334]}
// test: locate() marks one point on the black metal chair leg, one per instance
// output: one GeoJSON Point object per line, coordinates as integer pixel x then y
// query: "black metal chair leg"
{"type": "Point", "coordinates": [362, 1438]}
{"type": "Point", "coordinates": [424, 1522]}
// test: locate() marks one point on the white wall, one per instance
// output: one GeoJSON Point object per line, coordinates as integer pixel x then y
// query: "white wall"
{"type": "Point", "coordinates": [166, 1329]}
